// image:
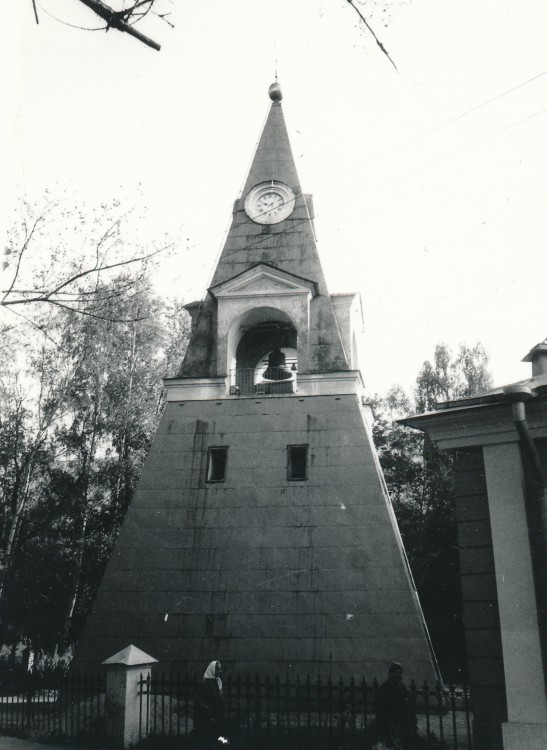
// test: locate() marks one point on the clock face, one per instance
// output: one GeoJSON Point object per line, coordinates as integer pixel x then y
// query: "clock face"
{"type": "Point", "coordinates": [269, 202]}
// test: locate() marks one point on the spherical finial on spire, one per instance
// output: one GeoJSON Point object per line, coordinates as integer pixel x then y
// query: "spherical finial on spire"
{"type": "Point", "coordinates": [274, 92]}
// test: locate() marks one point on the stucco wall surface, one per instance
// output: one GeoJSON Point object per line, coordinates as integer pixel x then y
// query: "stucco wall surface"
{"type": "Point", "coordinates": [264, 573]}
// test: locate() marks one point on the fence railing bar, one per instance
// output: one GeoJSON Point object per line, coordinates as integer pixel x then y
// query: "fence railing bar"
{"type": "Point", "coordinates": [268, 718]}
{"type": "Point", "coordinates": [141, 687]}
{"type": "Point", "coordinates": [365, 711]}
{"type": "Point", "coordinates": [308, 696]}
{"type": "Point", "coordinates": [330, 706]}
{"type": "Point", "coordinates": [452, 690]}
{"type": "Point", "coordinates": [20, 710]}
{"type": "Point", "coordinates": [177, 704]}
{"type": "Point", "coordinates": [440, 702]}
{"type": "Point", "coordinates": [238, 699]}
{"type": "Point", "coordinates": [93, 703]}
{"type": "Point", "coordinates": [298, 704]}
{"type": "Point", "coordinates": [148, 707]}
{"type": "Point", "coordinates": [288, 703]}
{"type": "Point", "coordinates": [186, 703]}
{"type": "Point", "coordinates": [163, 708]}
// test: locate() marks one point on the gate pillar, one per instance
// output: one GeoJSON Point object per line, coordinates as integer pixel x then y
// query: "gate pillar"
{"type": "Point", "coordinates": [126, 712]}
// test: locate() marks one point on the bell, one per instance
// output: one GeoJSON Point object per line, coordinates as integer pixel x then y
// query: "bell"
{"type": "Point", "coordinates": [276, 369]}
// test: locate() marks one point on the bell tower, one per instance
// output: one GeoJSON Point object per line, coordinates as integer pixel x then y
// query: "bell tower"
{"type": "Point", "coordinates": [261, 533]}
{"type": "Point", "coordinates": [268, 286]}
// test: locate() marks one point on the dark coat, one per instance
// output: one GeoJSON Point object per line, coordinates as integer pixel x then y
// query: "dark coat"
{"type": "Point", "coordinates": [208, 711]}
{"type": "Point", "coordinates": [395, 720]}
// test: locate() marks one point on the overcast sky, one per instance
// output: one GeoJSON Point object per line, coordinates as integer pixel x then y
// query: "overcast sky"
{"type": "Point", "coordinates": [429, 183]}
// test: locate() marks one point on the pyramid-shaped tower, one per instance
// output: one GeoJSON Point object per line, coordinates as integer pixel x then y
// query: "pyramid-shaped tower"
{"type": "Point", "coordinates": [261, 533]}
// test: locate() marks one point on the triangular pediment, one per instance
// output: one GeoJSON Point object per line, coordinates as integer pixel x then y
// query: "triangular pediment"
{"type": "Point", "coordinates": [264, 280]}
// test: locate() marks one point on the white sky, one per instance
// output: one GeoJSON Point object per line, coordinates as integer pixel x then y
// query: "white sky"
{"type": "Point", "coordinates": [441, 227]}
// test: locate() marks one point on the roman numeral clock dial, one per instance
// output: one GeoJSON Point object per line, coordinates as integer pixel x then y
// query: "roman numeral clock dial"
{"type": "Point", "coordinates": [269, 202]}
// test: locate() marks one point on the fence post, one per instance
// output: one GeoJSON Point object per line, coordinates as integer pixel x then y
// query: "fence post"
{"type": "Point", "coordinates": [122, 702]}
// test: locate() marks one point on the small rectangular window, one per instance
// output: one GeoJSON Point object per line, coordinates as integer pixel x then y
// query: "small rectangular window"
{"type": "Point", "coordinates": [297, 462]}
{"type": "Point", "coordinates": [217, 459]}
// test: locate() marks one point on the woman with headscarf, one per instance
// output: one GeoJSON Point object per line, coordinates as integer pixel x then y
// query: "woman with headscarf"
{"type": "Point", "coordinates": [208, 712]}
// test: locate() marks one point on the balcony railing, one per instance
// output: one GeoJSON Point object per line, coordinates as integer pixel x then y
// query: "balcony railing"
{"type": "Point", "coordinates": [252, 381]}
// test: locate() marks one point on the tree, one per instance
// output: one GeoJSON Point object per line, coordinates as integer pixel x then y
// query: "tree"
{"type": "Point", "coordinates": [114, 405]}
{"type": "Point", "coordinates": [420, 482]}
{"type": "Point", "coordinates": [28, 413]}
{"type": "Point", "coordinates": [80, 392]}
{"type": "Point", "coordinates": [71, 446]}
{"type": "Point", "coordinates": [451, 377]}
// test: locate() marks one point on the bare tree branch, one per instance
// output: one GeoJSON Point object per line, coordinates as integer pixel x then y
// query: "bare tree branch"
{"type": "Point", "coordinates": [132, 12]}
{"type": "Point", "coordinates": [51, 295]}
{"type": "Point", "coordinates": [19, 259]}
{"type": "Point", "coordinates": [117, 20]}
{"type": "Point", "coordinates": [107, 267]}
{"type": "Point", "coordinates": [163, 17]}
{"type": "Point", "coordinates": [378, 42]}
{"type": "Point", "coordinates": [90, 314]}
{"type": "Point", "coordinates": [31, 322]}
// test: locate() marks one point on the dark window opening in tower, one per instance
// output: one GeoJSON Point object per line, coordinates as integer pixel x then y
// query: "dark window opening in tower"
{"type": "Point", "coordinates": [297, 462]}
{"type": "Point", "coordinates": [217, 459]}
{"type": "Point", "coordinates": [266, 360]}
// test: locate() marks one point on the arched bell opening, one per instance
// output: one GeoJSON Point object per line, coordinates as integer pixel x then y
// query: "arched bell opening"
{"type": "Point", "coordinates": [266, 359]}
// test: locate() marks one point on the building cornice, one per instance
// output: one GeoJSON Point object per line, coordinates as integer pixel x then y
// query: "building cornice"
{"type": "Point", "coordinates": [480, 424]}
{"type": "Point", "coordinates": [342, 382]}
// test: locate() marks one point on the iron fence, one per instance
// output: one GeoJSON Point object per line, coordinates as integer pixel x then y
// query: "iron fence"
{"type": "Point", "coordinates": [306, 713]}
{"type": "Point", "coordinates": [57, 705]}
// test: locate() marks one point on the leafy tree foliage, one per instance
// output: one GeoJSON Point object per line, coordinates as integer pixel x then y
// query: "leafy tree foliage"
{"type": "Point", "coordinates": [420, 481]}
{"type": "Point", "coordinates": [79, 408]}
{"type": "Point", "coordinates": [450, 377]}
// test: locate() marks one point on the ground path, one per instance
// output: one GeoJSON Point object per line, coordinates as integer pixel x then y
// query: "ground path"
{"type": "Point", "coordinates": [14, 743]}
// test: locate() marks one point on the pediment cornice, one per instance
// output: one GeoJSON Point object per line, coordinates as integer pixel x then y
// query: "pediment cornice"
{"type": "Point", "coordinates": [264, 280]}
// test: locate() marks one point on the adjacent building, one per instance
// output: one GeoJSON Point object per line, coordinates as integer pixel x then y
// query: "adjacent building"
{"type": "Point", "coordinates": [499, 440]}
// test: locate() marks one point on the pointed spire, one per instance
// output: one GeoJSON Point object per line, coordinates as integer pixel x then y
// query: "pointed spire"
{"type": "Point", "coordinates": [272, 224]}
{"type": "Point", "coordinates": [273, 159]}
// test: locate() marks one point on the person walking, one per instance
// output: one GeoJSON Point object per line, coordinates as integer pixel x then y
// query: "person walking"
{"type": "Point", "coordinates": [395, 720]}
{"type": "Point", "coordinates": [208, 711]}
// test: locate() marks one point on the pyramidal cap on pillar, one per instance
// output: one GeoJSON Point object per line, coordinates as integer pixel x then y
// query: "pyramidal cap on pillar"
{"type": "Point", "coordinates": [131, 656]}
{"type": "Point", "coordinates": [261, 533]}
